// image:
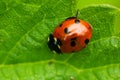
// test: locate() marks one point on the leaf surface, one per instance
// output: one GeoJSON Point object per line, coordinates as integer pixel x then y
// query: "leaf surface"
{"type": "Point", "coordinates": [24, 29]}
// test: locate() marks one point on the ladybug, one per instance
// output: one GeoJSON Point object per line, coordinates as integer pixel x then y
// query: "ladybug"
{"type": "Point", "coordinates": [71, 35]}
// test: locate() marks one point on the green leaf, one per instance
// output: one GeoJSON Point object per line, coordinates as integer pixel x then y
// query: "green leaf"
{"type": "Point", "coordinates": [24, 29]}
{"type": "Point", "coordinates": [82, 4]}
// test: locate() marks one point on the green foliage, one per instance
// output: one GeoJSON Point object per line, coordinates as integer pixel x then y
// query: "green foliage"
{"type": "Point", "coordinates": [24, 29]}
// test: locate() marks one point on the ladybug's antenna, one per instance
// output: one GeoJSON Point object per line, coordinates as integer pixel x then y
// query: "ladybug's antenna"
{"type": "Point", "coordinates": [77, 14]}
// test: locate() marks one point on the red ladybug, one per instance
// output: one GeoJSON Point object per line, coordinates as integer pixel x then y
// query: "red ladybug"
{"type": "Point", "coordinates": [71, 35]}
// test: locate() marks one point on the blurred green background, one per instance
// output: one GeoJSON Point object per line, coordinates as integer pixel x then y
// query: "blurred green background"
{"type": "Point", "coordinates": [84, 3]}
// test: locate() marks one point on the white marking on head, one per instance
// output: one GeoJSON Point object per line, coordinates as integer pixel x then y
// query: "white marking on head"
{"type": "Point", "coordinates": [58, 46]}
{"type": "Point", "coordinates": [54, 51]}
{"type": "Point", "coordinates": [48, 39]}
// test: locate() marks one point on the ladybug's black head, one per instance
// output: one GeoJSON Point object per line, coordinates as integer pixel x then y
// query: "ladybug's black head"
{"type": "Point", "coordinates": [54, 44]}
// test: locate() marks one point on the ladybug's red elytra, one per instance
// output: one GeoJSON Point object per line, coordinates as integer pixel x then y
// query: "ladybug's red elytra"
{"type": "Point", "coordinates": [71, 35]}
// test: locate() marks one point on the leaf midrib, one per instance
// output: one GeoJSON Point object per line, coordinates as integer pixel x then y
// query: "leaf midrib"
{"type": "Point", "coordinates": [61, 62]}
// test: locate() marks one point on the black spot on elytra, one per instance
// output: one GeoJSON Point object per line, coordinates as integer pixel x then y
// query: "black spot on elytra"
{"type": "Point", "coordinates": [73, 38]}
{"type": "Point", "coordinates": [89, 27]}
{"type": "Point", "coordinates": [77, 21]}
{"type": "Point", "coordinates": [86, 41]}
{"type": "Point", "coordinates": [66, 30]}
{"type": "Point", "coordinates": [73, 43]}
{"type": "Point", "coordinates": [60, 25]}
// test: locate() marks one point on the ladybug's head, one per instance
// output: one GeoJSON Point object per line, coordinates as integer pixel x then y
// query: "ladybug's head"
{"type": "Point", "coordinates": [54, 44]}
